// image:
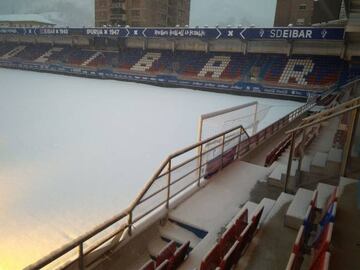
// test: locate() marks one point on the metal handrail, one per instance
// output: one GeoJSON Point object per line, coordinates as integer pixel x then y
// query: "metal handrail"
{"type": "Point", "coordinates": [166, 165]}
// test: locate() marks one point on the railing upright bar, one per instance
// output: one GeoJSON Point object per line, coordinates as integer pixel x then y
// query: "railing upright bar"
{"type": "Point", "coordinates": [130, 221]}
{"type": "Point", "coordinates": [81, 256]}
{"type": "Point", "coordinates": [222, 150]}
{"type": "Point", "coordinates": [200, 164]}
{"type": "Point", "coordinates": [289, 161]}
{"type": "Point", "coordinates": [168, 185]}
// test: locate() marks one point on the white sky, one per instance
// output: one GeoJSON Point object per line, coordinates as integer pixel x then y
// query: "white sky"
{"type": "Point", "coordinates": [203, 12]}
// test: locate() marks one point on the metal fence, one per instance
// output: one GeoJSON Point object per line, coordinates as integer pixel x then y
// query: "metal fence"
{"type": "Point", "coordinates": [180, 174]}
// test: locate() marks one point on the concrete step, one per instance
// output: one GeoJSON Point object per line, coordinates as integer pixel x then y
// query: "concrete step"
{"type": "Point", "coordinates": [268, 204]}
{"type": "Point", "coordinates": [275, 177]}
{"type": "Point", "coordinates": [318, 164]}
{"type": "Point", "coordinates": [324, 192]}
{"type": "Point", "coordinates": [248, 205]}
{"type": "Point", "coordinates": [278, 176]}
{"type": "Point", "coordinates": [281, 202]}
{"type": "Point", "coordinates": [306, 163]}
{"type": "Point", "coordinates": [344, 181]}
{"type": "Point", "coordinates": [172, 231]}
{"type": "Point", "coordinates": [297, 210]}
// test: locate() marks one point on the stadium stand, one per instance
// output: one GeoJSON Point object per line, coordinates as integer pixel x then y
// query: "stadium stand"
{"type": "Point", "coordinates": [317, 72]}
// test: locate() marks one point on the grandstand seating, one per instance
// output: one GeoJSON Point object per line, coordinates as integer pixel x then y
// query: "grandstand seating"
{"type": "Point", "coordinates": [269, 69]}
{"type": "Point", "coordinates": [169, 258]}
{"type": "Point", "coordinates": [277, 151]}
{"type": "Point", "coordinates": [233, 242]}
{"type": "Point", "coordinates": [319, 244]}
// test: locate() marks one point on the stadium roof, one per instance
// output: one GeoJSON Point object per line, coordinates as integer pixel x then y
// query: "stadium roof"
{"type": "Point", "coordinates": [25, 18]}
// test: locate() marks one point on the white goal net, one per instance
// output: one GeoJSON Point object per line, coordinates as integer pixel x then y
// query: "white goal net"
{"type": "Point", "coordinates": [248, 115]}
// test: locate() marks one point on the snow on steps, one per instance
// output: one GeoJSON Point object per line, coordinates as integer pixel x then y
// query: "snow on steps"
{"type": "Point", "coordinates": [306, 163]}
{"type": "Point", "coordinates": [171, 231]}
{"type": "Point", "coordinates": [268, 204]}
{"type": "Point", "coordinates": [281, 201]}
{"type": "Point", "coordinates": [278, 175]}
{"type": "Point", "coordinates": [297, 210]}
{"type": "Point", "coordinates": [318, 163]}
{"type": "Point", "coordinates": [324, 192]}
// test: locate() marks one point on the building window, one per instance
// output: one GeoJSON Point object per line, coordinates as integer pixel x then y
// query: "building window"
{"type": "Point", "coordinates": [300, 21]}
{"type": "Point", "coordinates": [302, 7]}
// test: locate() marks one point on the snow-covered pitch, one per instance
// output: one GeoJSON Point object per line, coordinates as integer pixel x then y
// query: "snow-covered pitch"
{"type": "Point", "coordinates": [75, 151]}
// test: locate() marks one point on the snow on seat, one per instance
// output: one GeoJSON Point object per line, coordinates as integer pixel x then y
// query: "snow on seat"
{"type": "Point", "coordinates": [267, 204]}
{"type": "Point", "coordinates": [156, 246]}
{"type": "Point", "coordinates": [180, 255]}
{"type": "Point", "coordinates": [150, 265]}
{"type": "Point", "coordinates": [249, 207]}
{"type": "Point", "coordinates": [163, 266]}
{"type": "Point", "coordinates": [166, 253]}
{"type": "Point", "coordinates": [324, 192]}
{"type": "Point", "coordinates": [298, 208]}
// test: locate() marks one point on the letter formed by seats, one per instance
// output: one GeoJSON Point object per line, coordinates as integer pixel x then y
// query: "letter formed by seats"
{"type": "Point", "coordinates": [215, 66]}
{"type": "Point", "coordinates": [146, 62]}
{"type": "Point", "coordinates": [45, 57]}
{"type": "Point", "coordinates": [297, 69]}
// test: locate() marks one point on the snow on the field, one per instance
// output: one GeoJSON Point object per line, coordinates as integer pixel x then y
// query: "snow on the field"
{"type": "Point", "coordinates": [75, 151]}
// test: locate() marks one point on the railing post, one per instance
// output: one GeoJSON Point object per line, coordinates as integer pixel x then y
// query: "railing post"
{"type": "Point", "coordinates": [200, 164]}
{"type": "Point", "coordinates": [349, 141]}
{"type": "Point", "coordinates": [168, 185]}
{"type": "Point", "coordinates": [81, 256]}
{"type": "Point", "coordinates": [289, 162]}
{"type": "Point", "coordinates": [222, 150]}
{"type": "Point", "coordinates": [130, 222]}
{"type": "Point", "coordinates": [238, 145]}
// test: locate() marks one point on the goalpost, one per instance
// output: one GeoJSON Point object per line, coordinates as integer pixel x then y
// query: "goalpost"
{"type": "Point", "coordinates": [218, 152]}
{"type": "Point", "coordinates": [248, 115]}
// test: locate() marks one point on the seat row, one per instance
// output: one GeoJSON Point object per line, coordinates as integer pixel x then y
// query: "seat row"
{"type": "Point", "coordinates": [314, 236]}
{"type": "Point", "coordinates": [169, 258]}
{"type": "Point", "coordinates": [233, 242]}
{"type": "Point", "coordinates": [227, 66]}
